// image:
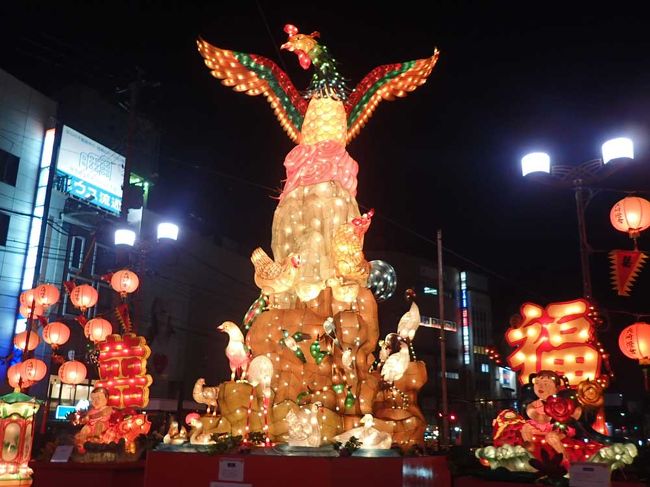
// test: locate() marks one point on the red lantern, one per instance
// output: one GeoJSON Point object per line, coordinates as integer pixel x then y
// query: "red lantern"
{"type": "Point", "coordinates": [25, 311]}
{"type": "Point", "coordinates": [13, 377]}
{"type": "Point", "coordinates": [46, 294]}
{"type": "Point", "coordinates": [84, 297]}
{"type": "Point", "coordinates": [634, 341]}
{"type": "Point", "coordinates": [631, 215]}
{"type": "Point", "coordinates": [27, 298]}
{"type": "Point", "coordinates": [72, 372]}
{"type": "Point", "coordinates": [21, 338]}
{"type": "Point", "coordinates": [97, 329]}
{"type": "Point", "coordinates": [125, 282]}
{"type": "Point", "coordinates": [33, 369]}
{"type": "Point", "coordinates": [56, 334]}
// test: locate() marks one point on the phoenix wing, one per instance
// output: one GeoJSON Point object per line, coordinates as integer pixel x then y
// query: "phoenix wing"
{"type": "Point", "coordinates": [257, 75]}
{"type": "Point", "coordinates": [385, 83]}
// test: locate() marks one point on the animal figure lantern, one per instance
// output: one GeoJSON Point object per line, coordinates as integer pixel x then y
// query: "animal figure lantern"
{"type": "Point", "coordinates": [559, 361]}
{"type": "Point", "coordinates": [317, 319]}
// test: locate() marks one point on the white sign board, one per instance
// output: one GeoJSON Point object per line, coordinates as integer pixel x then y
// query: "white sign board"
{"type": "Point", "coordinates": [231, 469]}
{"type": "Point", "coordinates": [589, 475]}
{"type": "Point", "coordinates": [95, 173]}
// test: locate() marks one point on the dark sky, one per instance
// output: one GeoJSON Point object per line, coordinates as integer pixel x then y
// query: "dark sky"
{"type": "Point", "coordinates": [512, 77]}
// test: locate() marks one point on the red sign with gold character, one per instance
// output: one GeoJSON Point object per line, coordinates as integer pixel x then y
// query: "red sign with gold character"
{"type": "Point", "coordinates": [123, 370]}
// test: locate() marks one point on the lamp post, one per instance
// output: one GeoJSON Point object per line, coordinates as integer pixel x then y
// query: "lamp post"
{"type": "Point", "coordinates": [581, 178]}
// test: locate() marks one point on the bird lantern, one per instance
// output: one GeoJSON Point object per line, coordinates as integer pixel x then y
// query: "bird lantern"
{"type": "Point", "coordinates": [26, 311]}
{"type": "Point", "coordinates": [97, 329]}
{"type": "Point", "coordinates": [634, 341]}
{"type": "Point", "coordinates": [72, 372]}
{"type": "Point", "coordinates": [84, 297]}
{"type": "Point", "coordinates": [33, 370]}
{"type": "Point", "coordinates": [125, 282]}
{"type": "Point", "coordinates": [13, 377]}
{"type": "Point", "coordinates": [56, 333]}
{"type": "Point", "coordinates": [46, 295]}
{"type": "Point", "coordinates": [21, 338]}
{"type": "Point", "coordinates": [631, 215]}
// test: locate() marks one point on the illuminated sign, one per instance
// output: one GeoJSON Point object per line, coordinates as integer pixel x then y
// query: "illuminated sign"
{"type": "Point", "coordinates": [63, 411]}
{"type": "Point", "coordinates": [464, 317]}
{"type": "Point", "coordinates": [507, 378]}
{"type": "Point", "coordinates": [94, 172]}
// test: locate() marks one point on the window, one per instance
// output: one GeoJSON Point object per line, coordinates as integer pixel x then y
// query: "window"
{"type": "Point", "coordinates": [4, 228]}
{"type": "Point", "coordinates": [8, 167]}
{"type": "Point", "coordinates": [485, 368]}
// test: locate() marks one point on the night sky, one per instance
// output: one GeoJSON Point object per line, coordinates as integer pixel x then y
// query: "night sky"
{"type": "Point", "coordinates": [519, 77]}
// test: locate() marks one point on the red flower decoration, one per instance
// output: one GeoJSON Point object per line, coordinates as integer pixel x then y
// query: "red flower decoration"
{"type": "Point", "coordinates": [559, 408]}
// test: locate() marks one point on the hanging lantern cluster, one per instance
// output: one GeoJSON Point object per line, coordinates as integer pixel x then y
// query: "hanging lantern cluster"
{"type": "Point", "coordinates": [125, 282]}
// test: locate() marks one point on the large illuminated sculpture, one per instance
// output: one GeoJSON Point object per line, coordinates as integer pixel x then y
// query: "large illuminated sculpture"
{"type": "Point", "coordinates": [559, 362]}
{"type": "Point", "coordinates": [316, 318]}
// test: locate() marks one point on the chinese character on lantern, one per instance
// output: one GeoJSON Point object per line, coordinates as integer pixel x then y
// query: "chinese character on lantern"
{"type": "Point", "coordinates": [123, 370]}
{"type": "Point", "coordinates": [558, 338]}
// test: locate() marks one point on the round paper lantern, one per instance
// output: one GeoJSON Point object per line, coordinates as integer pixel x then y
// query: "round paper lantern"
{"type": "Point", "coordinates": [631, 215]}
{"type": "Point", "coordinates": [25, 311]}
{"type": "Point", "coordinates": [13, 377]}
{"type": "Point", "coordinates": [33, 369]}
{"type": "Point", "coordinates": [46, 294]}
{"type": "Point", "coordinates": [21, 338]}
{"type": "Point", "coordinates": [84, 297]}
{"type": "Point", "coordinates": [634, 341]}
{"type": "Point", "coordinates": [97, 329]}
{"type": "Point", "coordinates": [27, 298]}
{"type": "Point", "coordinates": [56, 333]}
{"type": "Point", "coordinates": [382, 280]}
{"type": "Point", "coordinates": [125, 282]}
{"type": "Point", "coordinates": [72, 372]}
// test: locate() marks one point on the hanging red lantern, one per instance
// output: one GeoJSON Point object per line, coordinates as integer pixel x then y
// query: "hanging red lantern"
{"type": "Point", "coordinates": [72, 372]}
{"type": "Point", "coordinates": [46, 294]}
{"type": "Point", "coordinates": [13, 377]}
{"type": "Point", "coordinates": [33, 369]}
{"type": "Point", "coordinates": [97, 329]}
{"type": "Point", "coordinates": [84, 296]}
{"type": "Point", "coordinates": [21, 338]}
{"type": "Point", "coordinates": [125, 282]}
{"type": "Point", "coordinates": [27, 298]}
{"type": "Point", "coordinates": [56, 333]}
{"type": "Point", "coordinates": [631, 215]}
{"type": "Point", "coordinates": [634, 341]}
{"type": "Point", "coordinates": [25, 311]}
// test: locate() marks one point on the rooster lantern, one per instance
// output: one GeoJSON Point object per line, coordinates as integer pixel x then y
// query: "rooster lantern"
{"type": "Point", "coordinates": [318, 197]}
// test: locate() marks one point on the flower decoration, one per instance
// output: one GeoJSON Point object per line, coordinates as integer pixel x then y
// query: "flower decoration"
{"type": "Point", "coordinates": [559, 408]}
{"type": "Point", "coordinates": [590, 394]}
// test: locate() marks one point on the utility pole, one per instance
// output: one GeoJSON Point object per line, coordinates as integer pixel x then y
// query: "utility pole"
{"type": "Point", "coordinates": [444, 438]}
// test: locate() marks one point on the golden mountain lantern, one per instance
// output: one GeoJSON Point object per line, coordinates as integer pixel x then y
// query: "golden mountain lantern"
{"type": "Point", "coordinates": [84, 297]}
{"type": "Point", "coordinates": [634, 341]}
{"type": "Point", "coordinates": [125, 282]}
{"type": "Point", "coordinates": [72, 372]}
{"type": "Point", "coordinates": [46, 294]}
{"type": "Point", "coordinates": [17, 414]}
{"type": "Point", "coordinates": [21, 338]}
{"type": "Point", "coordinates": [97, 329]}
{"type": "Point", "coordinates": [33, 370]}
{"type": "Point", "coordinates": [631, 215]}
{"type": "Point", "coordinates": [56, 333]}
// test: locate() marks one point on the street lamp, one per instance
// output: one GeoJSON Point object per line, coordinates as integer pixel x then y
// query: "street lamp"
{"type": "Point", "coordinates": [579, 178]}
{"type": "Point", "coordinates": [167, 231]}
{"type": "Point", "coordinates": [124, 236]}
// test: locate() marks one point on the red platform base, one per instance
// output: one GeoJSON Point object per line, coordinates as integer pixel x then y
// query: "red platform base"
{"type": "Point", "coordinates": [88, 474]}
{"type": "Point", "coordinates": [170, 468]}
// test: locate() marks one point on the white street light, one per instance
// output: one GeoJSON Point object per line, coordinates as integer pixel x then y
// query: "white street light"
{"type": "Point", "coordinates": [124, 236]}
{"type": "Point", "coordinates": [617, 148]}
{"type": "Point", "coordinates": [167, 231]}
{"type": "Point", "coordinates": [535, 162]}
